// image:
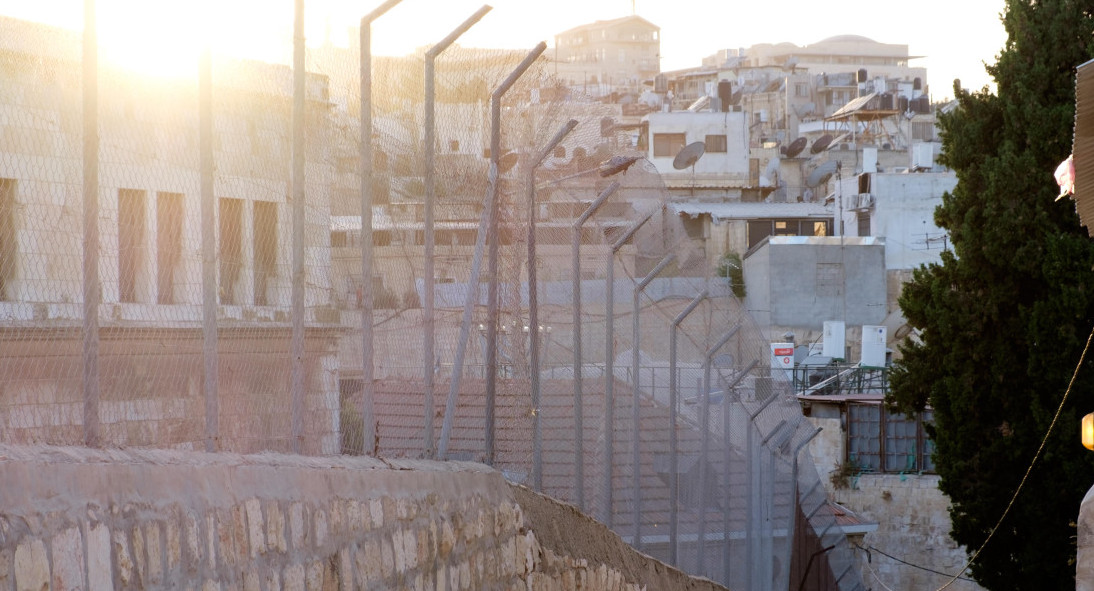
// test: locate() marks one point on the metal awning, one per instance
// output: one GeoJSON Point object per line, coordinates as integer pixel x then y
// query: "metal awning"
{"type": "Point", "coordinates": [1082, 147]}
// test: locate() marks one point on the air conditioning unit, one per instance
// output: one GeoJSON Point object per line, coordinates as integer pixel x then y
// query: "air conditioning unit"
{"type": "Point", "coordinates": [864, 201]}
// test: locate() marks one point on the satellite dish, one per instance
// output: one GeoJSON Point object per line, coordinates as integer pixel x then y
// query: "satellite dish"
{"type": "Point", "coordinates": [689, 155]}
{"type": "Point", "coordinates": [796, 147]}
{"type": "Point", "coordinates": [821, 143]}
{"type": "Point", "coordinates": [821, 174]}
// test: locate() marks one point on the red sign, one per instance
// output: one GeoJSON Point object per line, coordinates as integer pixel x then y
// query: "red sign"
{"type": "Point", "coordinates": [779, 351]}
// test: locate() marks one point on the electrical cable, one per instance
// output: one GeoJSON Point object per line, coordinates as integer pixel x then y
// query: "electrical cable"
{"type": "Point", "coordinates": [1033, 462]}
{"type": "Point", "coordinates": [906, 563]}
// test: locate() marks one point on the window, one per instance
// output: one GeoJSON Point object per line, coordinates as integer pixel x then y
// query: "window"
{"type": "Point", "coordinates": [863, 219]}
{"type": "Point", "coordinates": [131, 243]}
{"type": "Point", "coordinates": [715, 143]}
{"type": "Point", "coordinates": [168, 245]}
{"type": "Point", "coordinates": [667, 145]}
{"type": "Point", "coordinates": [801, 90]}
{"type": "Point", "coordinates": [923, 131]}
{"type": "Point", "coordinates": [8, 240]}
{"type": "Point", "coordinates": [879, 441]}
{"type": "Point", "coordinates": [231, 247]}
{"type": "Point", "coordinates": [265, 249]}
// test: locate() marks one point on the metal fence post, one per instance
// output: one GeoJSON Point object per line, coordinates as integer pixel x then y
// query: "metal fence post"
{"type": "Point", "coordinates": [91, 288]}
{"type": "Point", "coordinates": [609, 367]}
{"type": "Point", "coordinates": [429, 357]}
{"type": "Point", "coordinates": [368, 418]}
{"type": "Point", "coordinates": [704, 446]}
{"type": "Point", "coordinates": [674, 461]}
{"type": "Point", "coordinates": [208, 251]}
{"type": "Point", "coordinates": [579, 403]}
{"type": "Point", "coordinates": [298, 196]}
{"type": "Point", "coordinates": [636, 410]}
{"type": "Point", "coordinates": [487, 228]}
{"type": "Point", "coordinates": [533, 308]}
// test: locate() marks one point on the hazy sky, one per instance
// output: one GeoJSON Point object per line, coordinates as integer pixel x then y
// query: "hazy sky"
{"type": "Point", "coordinates": [955, 36]}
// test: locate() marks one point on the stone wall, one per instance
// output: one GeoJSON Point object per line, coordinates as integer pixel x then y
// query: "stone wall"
{"type": "Point", "coordinates": [912, 517]}
{"type": "Point", "coordinates": [75, 518]}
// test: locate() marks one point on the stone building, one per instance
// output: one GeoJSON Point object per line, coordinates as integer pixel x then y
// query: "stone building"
{"type": "Point", "coordinates": [150, 352]}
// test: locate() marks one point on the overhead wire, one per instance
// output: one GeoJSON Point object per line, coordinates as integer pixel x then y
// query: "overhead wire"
{"type": "Point", "coordinates": [1033, 462]}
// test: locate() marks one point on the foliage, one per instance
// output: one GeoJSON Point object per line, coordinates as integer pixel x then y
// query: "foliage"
{"type": "Point", "coordinates": [1003, 319]}
{"type": "Point", "coordinates": [731, 267]}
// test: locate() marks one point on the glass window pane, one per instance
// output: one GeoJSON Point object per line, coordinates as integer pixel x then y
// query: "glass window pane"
{"type": "Point", "coordinates": [900, 444]}
{"type": "Point", "coordinates": [864, 436]}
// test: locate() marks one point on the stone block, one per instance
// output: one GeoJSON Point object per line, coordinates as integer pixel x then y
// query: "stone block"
{"type": "Point", "coordinates": [31, 566]}
{"type": "Point", "coordinates": [354, 523]}
{"type": "Point", "coordinates": [68, 559]}
{"type": "Point", "coordinates": [229, 551]}
{"type": "Point", "coordinates": [211, 537]}
{"type": "Point", "coordinates": [410, 548]}
{"type": "Point", "coordinates": [448, 539]}
{"type": "Point", "coordinates": [465, 575]}
{"type": "Point", "coordinates": [313, 580]}
{"type": "Point", "coordinates": [319, 517]}
{"type": "Point", "coordinates": [387, 558]}
{"type": "Point", "coordinates": [366, 561]}
{"type": "Point", "coordinates": [140, 555]}
{"type": "Point", "coordinates": [239, 532]}
{"type": "Point", "coordinates": [122, 557]}
{"type": "Point", "coordinates": [399, 550]}
{"type": "Point", "coordinates": [376, 513]}
{"type": "Point", "coordinates": [255, 526]}
{"type": "Point", "coordinates": [99, 575]}
{"type": "Point", "coordinates": [173, 545]}
{"type": "Point", "coordinates": [275, 528]}
{"type": "Point", "coordinates": [296, 525]}
{"type": "Point", "coordinates": [345, 568]}
{"type": "Point", "coordinates": [336, 519]}
{"type": "Point", "coordinates": [251, 580]}
{"type": "Point", "coordinates": [154, 549]}
{"type": "Point", "coordinates": [192, 536]}
{"type": "Point", "coordinates": [210, 585]}
{"type": "Point", "coordinates": [293, 578]}
{"type": "Point", "coordinates": [272, 579]}
{"type": "Point", "coordinates": [6, 559]}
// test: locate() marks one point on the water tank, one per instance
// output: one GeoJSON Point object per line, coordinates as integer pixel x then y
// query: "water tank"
{"type": "Point", "coordinates": [725, 94]}
{"type": "Point", "coordinates": [917, 84]}
{"type": "Point", "coordinates": [660, 83]}
{"type": "Point", "coordinates": [922, 104]}
{"type": "Point", "coordinates": [902, 103]}
{"type": "Point", "coordinates": [862, 74]}
{"type": "Point", "coordinates": [885, 102]}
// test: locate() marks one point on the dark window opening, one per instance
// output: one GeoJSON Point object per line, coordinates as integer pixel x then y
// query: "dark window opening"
{"type": "Point", "coordinates": [168, 245]}
{"type": "Point", "coordinates": [231, 248]}
{"type": "Point", "coordinates": [265, 249]}
{"type": "Point", "coordinates": [880, 441]}
{"type": "Point", "coordinates": [667, 145]}
{"type": "Point", "coordinates": [131, 240]}
{"type": "Point", "coordinates": [715, 143]}
{"type": "Point", "coordinates": [8, 239]}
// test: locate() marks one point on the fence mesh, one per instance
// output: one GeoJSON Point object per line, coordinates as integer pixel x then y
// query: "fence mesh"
{"type": "Point", "coordinates": [237, 183]}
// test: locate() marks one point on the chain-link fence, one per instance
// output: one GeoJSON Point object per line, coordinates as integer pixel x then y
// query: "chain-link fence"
{"type": "Point", "coordinates": [215, 260]}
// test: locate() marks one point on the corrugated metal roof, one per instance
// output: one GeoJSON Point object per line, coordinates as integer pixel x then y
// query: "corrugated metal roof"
{"type": "Point", "coordinates": [752, 211]}
{"type": "Point", "coordinates": [1083, 145]}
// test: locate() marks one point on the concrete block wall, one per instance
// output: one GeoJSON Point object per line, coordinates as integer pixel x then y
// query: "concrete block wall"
{"type": "Point", "coordinates": [76, 518]}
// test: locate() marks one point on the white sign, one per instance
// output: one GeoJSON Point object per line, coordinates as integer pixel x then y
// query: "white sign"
{"type": "Point", "coordinates": [782, 355]}
{"type": "Point", "coordinates": [874, 339]}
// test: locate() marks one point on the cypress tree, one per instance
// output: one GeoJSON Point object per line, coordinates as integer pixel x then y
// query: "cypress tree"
{"type": "Point", "coordinates": [1002, 320]}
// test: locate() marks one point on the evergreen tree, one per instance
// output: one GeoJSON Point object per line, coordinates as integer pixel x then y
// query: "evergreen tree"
{"type": "Point", "coordinates": [1004, 317]}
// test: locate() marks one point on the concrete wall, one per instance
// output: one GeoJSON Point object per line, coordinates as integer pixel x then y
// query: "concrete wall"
{"type": "Point", "coordinates": [801, 282]}
{"type": "Point", "coordinates": [76, 518]}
